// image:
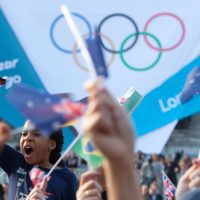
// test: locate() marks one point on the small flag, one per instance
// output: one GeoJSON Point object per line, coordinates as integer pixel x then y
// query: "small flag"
{"type": "Point", "coordinates": [199, 154]}
{"type": "Point", "coordinates": [47, 112]}
{"type": "Point", "coordinates": [36, 175]}
{"type": "Point", "coordinates": [95, 50]}
{"type": "Point", "coordinates": [89, 148]}
{"type": "Point", "coordinates": [192, 85]}
{"type": "Point", "coordinates": [168, 187]}
{"type": "Point", "coordinates": [88, 152]}
{"type": "Point", "coordinates": [130, 100]}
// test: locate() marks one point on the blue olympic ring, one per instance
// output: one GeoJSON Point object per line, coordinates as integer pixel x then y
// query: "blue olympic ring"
{"type": "Point", "coordinates": [53, 27]}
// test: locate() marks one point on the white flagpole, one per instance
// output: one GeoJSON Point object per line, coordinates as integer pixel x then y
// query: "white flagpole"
{"type": "Point", "coordinates": [199, 154]}
{"type": "Point", "coordinates": [79, 40]}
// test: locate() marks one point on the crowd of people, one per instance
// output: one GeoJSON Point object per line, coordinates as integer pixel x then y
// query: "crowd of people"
{"type": "Point", "coordinates": [149, 170]}
{"type": "Point", "coordinates": [123, 175]}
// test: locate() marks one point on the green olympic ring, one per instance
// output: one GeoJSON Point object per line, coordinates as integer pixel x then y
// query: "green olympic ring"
{"type": "Point", "coordinates": [144, 68]}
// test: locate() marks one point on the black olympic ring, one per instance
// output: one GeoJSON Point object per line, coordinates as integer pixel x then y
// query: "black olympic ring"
{"type": "Point", "coordinates": [118, 15]}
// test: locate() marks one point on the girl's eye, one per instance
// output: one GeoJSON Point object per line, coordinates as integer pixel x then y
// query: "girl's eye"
{"type": "Point", "coordinates": [24, 134]}
{"type": "Point", "coordinates": [37, 134]}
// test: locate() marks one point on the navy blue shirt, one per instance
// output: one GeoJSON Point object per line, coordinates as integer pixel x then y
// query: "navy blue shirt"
{"type": "Point", "coordinates": [62, 185]}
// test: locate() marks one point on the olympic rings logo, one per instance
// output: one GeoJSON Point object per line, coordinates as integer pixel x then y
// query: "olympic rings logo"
{"type": "Point", "coordinates": [123, 49]}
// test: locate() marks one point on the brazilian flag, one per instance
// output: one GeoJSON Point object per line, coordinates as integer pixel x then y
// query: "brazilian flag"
{"type": "Point", "coordinates": [86, 150]}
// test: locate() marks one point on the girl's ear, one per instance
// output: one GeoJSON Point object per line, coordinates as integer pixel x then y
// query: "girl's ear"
{"type": "Point", "coordinates": [52, 145]}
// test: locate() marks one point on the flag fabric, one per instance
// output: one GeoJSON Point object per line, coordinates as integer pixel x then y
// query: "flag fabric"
{"type": "Point", "coordinates": [153, 78]}
{"type": "Point", "coordinates": [130, 100]}
{"type": "Point", "coordinates": [88, 152]}
{"type": "Point", "coordinates": [36, 175]}
{"type": "Point", "coordinates": [69, 109]}
{"type": "Point", "coordinates": [89, 148]}
{"type": "Point", "coordinates": [192, 85]}
{"type": "Point", "coordinates": [168, 187]}
{"type": "Point", "coordinates": [122, 100]}
{"type": "Point", "coordinates": [94, 47]}
{"type": "Point", "coordinates": [86, 149]}
{"type": "Point", "coordinates": [47, 112]}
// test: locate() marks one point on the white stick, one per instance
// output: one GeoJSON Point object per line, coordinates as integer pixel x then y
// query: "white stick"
{"type": "Point", "coordinates": [199, 154]}
{"type": "Point", "coordinates": [79, 40]}
{"type": "Point", "coordinates": [65, 153]}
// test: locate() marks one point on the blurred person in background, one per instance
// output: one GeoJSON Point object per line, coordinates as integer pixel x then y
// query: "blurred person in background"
{"type": "Point", "coordinates": [2, 192]}
{"type": "Point", "coordinates": [184, 165]}
{"type": "Point", "coordinates": [71, 160]}
{"type": "Point", "coordinates": [158, 167]}
{"type": "Point", "coordinates": [147, 171]}
{"type": "Point", "coordinates": [145, 192]}
{"type": "Point", "coordinates": [171, 172]}
{"type": "Point", "coordinates": [167, 160]}
{"type": "Point", "coordinates": [139, 160]}
{"type": "Point", "coordinates": [154, 191]}
{"type": "Point", "coordinates": [5, 187]}
{"type": "Point", "coordinates": [163, 162]}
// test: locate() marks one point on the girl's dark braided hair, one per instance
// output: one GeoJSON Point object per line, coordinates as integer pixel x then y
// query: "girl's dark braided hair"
{"type": "Point", "coordinates": [55, 154]}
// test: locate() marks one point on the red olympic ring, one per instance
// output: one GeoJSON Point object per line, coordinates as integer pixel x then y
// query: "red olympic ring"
{"type": "Point", "coordinates": [168, 48]}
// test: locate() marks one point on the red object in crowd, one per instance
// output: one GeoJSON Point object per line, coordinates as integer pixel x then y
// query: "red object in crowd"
{"type": "Point", "coordinates": [36, 175]}
{"type": "Point", "coordinates": [2, 81]}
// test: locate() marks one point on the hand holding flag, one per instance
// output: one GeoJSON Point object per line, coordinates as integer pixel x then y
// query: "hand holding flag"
{"type": "Point", "coordinates": [40, 182]}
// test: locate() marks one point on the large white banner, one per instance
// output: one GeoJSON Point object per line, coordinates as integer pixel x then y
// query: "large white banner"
{"type": "Point", "coordinates": [145, 43]}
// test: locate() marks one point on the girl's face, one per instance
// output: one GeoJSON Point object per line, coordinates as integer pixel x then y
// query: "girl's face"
{"type": "Point", "coordinates": [35, 147]}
